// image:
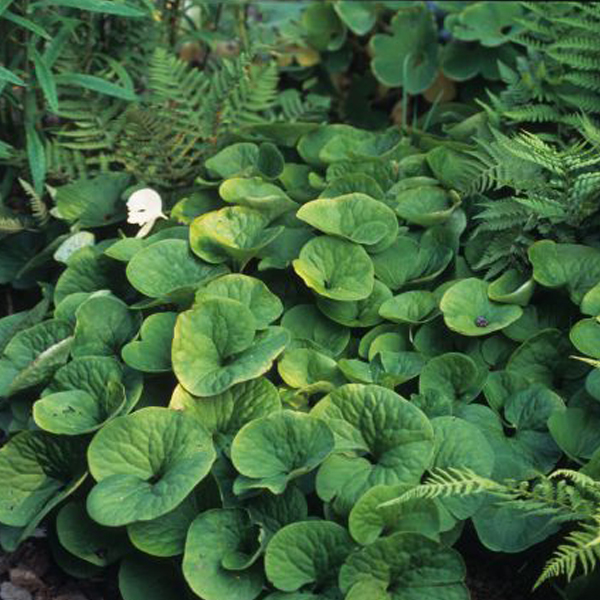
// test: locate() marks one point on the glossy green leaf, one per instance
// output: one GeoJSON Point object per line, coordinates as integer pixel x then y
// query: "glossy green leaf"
{"type": "Point", "coordinates": [512, 288]}
{"type": "Point", "coordinates": [104, 325]}
{"type": "Point", "coordinates": [310, 328]}
{"type": "Point", "coordinates": [308, 369]}
{"type": "Point", "coordinates": [425, 205]}
{"type": "Point", "coordinates": [165, 536]}
{"type": "Point", "coordinates": [215, 537]}
{"type": "Point", "coordinates": [226, 413]}
{"type": "Point", "coordinates": [152, 352]}
{"type": "Point", "coordinates": [336, 269]}
{"type": "Point", "coordinates": [573, 266]}
{"type": "Point", "coordinates": [359, 16]}
{"type": "Point", "coordinates": [76, 412]}
{"type": "Point", "coordinates": [215, 346]}
{"type": "Point", "coordinates": [307, 553]}
{"type": "Point", "coordinates": [468, 310]}
{"type": "Point", "coordinates": [87, 540]}
{"type": "Point", "coordinates": [410, 307]}
{"type": "Point", "coordinates": [585, 335]}
{"type": "Point", "coordinates": [355, 217]}
{"type": "Point", "coordinates": [408, 57]}
{"type": "Point", "coordinates": [453, 374]}
{"type": "Point", "coordinates": [168, 267]}
{"type": "Point", "coordinates": [399, 562]}
{"type": "Point", "coordinates": [135, 484]}
{"type": "Point", "coordinates": [36, 467]}
{"type": "Point", "coordinates": [357, 313]}
{"type": "Point", "coordinates": [271, 451]}
{"type": "Point", "coordinates": [423, 260]}
{"type": "Point", "coordinates": [390, 440]}
{"type": "Point", "coordinates": [234, 233]}
{"type": "Point", "coordinates": [253, 293]}
{"type": "Point", "coordinates": [267, 198]}
{"type": "Point", "coordinates": [368, 520]}
{"type": "Point", "coordinates": [36, 353]}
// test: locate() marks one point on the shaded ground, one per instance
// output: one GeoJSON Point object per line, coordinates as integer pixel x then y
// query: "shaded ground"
{"type": "Point", "coordinates": [31, 574]}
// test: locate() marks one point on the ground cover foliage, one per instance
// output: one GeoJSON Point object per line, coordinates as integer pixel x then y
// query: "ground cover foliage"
{"type": "Point", "coordinates": [357, 333]}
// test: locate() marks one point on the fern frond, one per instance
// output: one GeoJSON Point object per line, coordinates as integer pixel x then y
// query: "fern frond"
{"type": "Point", "coordinates": [452, 482]}
{"type": "Point", "coordinates": [582, 550]}
{"type": "Point", "coordinates": [40, 211]}
{"type": "Point", "coordinates": [12, 224]}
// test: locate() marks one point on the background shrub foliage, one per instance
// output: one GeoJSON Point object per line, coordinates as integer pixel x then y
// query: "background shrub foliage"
{"type": "Point", "coordinates": [365, 333]}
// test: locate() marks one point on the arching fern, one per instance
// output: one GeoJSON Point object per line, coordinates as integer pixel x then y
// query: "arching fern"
{"type": "Point", "coordinates": [189, 113]}
{"type": "Point", "coordinates": [564, 496]}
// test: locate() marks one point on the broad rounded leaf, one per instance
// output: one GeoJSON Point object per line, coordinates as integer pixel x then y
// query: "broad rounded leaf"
{"type": "Point", "coordinates": [308, 369]}
{"type": "Point", "coordinates": [152, 352]}
{"type": "Point", "coordinates": [267, 198]}
{"type": "Point", "coordinates": [585, 335]}
{"type": "Point", "coordinates": [368, 520]}
{"type": "Point", "coordinates": [541, 357]}
{"type": "Point", "coordinates": [410, 307]}
{"type": "Point", "coordinates": [310, 328]}
{"type": "Point", "coordinates": [93, 374]}
{"type": "Point", "coordinates": [355, 217]}
{"type": "Point", "coordinates": [270, 451]}
{"type": "Point", "coordinates": [35, 468]}
{"type": "Point", "coordinates": [357, 313]}
{"type": "Point", "coordinates": [573, 266]}
{"type": "Point", "coordinates": [87, 540]}
{"type": "Point", "coordinates": [336, 268]}
{"type": "Point", "coordinates": [165, 535]}
{"type": "Point", "coordinates": [351, 183]}
{"type": "Point", "coordinates": [408, 57]}
{"type": "Point", "coordinates": [453, 374]}
{"type": "Point", "coordinates": [512, 288]}
{"type": "Point", "coordinates": [253, 293]}
{"type": "Point", "coordinates": [135, 484]}
{"type": "Point", "coordinates": [461, 445]}
{"type": "Point", "coordinates": [422, 260]}
{"type": "Point", "coordinates": [234, 233]}
{"type": "Point", "coordinates": [214, 537]}
{"type": "Point", "coordinates": [76, 412]}
{"type": "Point", "coordinates": [167, 267]}
{"type": "Point", "coordinates": [392, 441]}
{"type": "Point", "coordinates": [215, 346]}
{"type": "Point", "coordinates": [307, 553]}
{"type": "Point", "coordinates": [576, 431]}
{"type": "Point", "coordinates": [425, 205]}
{"type": "Point", "coordinates": [468, 310]}
{"type": "Point", "coordinates": [226, 413]}
{"type": "Point", "coordinates": [359, 16]}
{"type": "Point", "coordinates": [502, 527]}
{"type": "Point", "coordinates": [36, 353]}
{"type": "Point", "coordinates": [104, 325]}
{"type": "Point", "coordinates": [408, 566]}
{"type": "Point", "coordinates": [234, 160]}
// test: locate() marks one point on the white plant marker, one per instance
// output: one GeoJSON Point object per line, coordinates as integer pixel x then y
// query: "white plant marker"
{"type": "Point", "coordinates": [145, 208]}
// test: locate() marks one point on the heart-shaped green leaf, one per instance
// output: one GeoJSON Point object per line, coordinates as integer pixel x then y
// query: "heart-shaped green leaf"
{"type": "Point", "coordinates": [213, 539]}
{"type": "Point", "coordinates": [307, 553]}
{"type": "Point", "coordinates": [468, 310]}
{"type": "Point", "coordinates": [336, 269]}
{"type": "Point", "coordinates": [138, 484]}
{"type": "Point", "coordinates": [271, 451]}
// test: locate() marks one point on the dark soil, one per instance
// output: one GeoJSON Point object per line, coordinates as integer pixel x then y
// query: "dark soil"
{"type": "Point", "coordinates": [30, 573]}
